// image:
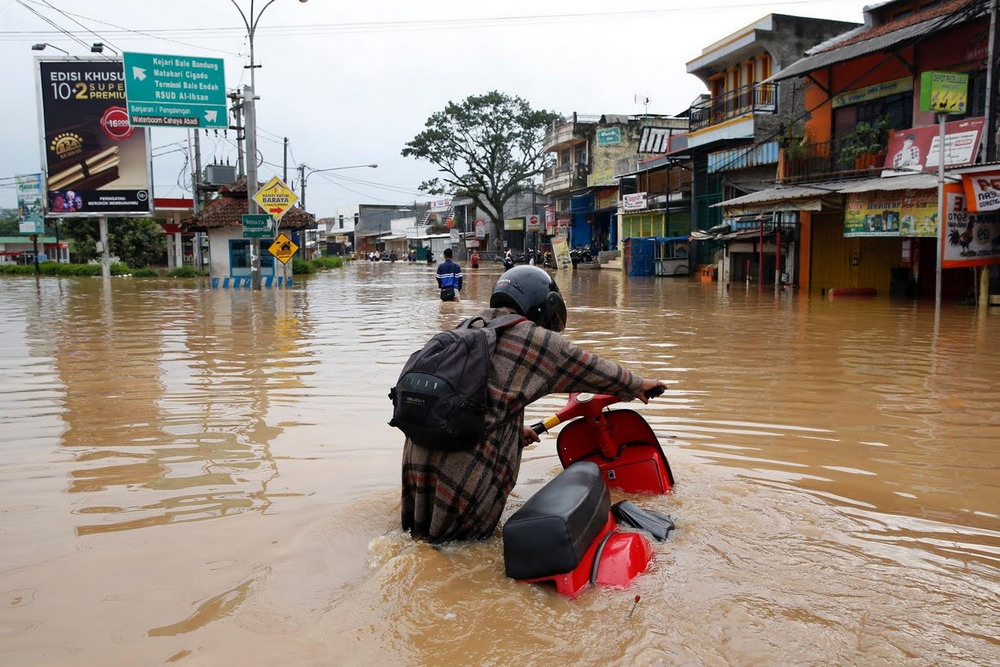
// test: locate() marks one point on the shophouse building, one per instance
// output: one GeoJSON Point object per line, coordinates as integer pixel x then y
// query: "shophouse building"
{"type": "Point", "coordinates": [859, 183]}
{"type": "Point", "coordinates": [735, 136]}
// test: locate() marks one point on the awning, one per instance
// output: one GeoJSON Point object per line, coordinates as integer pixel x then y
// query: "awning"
{"type": "Point", "coordinates": [921, 181]}
{"type": "Point", "coordinates": [839, 54]}
{"type": "Point", "coordinates": [801, 197]}
{"type": "Point", "coordinates": [783, 193]}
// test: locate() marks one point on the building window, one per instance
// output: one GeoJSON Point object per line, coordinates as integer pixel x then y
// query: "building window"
{"type": "Point", "coordinates": [239, 257]}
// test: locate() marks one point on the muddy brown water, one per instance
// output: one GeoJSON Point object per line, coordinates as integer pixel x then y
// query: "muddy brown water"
{"type": "Point", "coordinates": [206, 477]}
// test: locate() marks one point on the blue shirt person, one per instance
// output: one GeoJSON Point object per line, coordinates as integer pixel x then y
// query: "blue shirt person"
{"type": "Point", "coordinates": [449, 277]}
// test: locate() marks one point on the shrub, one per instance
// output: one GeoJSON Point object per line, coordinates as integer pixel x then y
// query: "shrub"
{"type": "Point", "coordinates": [301, 266]}
{"type": "Point", "coordinates": [185, 272]}
{"type": "Point", "coordinates": [145, 273]}
{"type": "Point", "coordinates": [328, 262]}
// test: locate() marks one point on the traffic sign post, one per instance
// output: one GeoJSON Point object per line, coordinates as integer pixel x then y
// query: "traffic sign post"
{"type": "Point", "coordinates": [175, 91]}
{"type": "Point", "coordinates": [283, 248]}
{"type": "Point", "coordinates": [276, 198]}
{"type": "Point", "coordinates": [256, 226]}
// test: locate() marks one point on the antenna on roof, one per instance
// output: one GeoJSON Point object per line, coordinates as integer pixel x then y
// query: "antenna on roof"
{"type": "Point", "coordinates": [642, 99]}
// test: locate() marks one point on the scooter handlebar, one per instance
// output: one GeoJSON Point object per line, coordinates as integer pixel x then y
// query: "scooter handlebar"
{"type": "Point", "coordinates": [655, 391]}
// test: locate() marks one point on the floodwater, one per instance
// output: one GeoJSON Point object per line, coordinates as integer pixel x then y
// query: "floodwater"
{"type": "Point", "coordinates": [206, 477]}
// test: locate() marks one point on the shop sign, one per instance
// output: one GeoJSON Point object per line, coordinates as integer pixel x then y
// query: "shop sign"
{"type": "Point", "coordinates": [968, 236]}
{"type": "Point", "coordinates": [884, 89]}
{"type": "Point", "coordinates": [982, 191]}
{"type": "Point", "coordinates": [609, 136]}
{"type": "Point", "coordinates": [891, 213]}
{"type": "Point", "coordinates": [634, 202]}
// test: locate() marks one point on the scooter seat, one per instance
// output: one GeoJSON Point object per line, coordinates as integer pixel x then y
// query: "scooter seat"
{"type": "Point", "coordinates": [551, 533]}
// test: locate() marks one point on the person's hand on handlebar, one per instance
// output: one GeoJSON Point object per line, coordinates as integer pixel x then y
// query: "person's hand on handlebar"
{"type": "Point", "coordinates": [651, 389]}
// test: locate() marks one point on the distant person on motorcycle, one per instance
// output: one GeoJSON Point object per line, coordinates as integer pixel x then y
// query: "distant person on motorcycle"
{"type": "Point", "coordinates": [460, 495]}
{"type": "Point", "coordinates": [508, 260]}
{"type": "Point", "coordinates": [449, 277]}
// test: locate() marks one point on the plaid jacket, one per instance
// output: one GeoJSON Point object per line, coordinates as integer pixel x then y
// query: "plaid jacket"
{"type": "Point", "coordinates": [461, 495]}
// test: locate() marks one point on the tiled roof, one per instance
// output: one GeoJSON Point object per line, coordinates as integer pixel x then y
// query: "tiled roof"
{"type": "Point", "coordinates": [228, 209]}
{"type": "Point", "coordinates": [944, 9]}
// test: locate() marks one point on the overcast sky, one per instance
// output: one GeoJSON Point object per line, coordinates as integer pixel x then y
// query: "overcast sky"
{"type": "Point", "coordinates": [350, 83]}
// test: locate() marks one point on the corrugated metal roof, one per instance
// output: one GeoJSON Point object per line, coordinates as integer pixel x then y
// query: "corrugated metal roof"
{"type": "Point", "coordinates": [856, 50]}
{"type": "Point", "coordinates": [780, 193]}
{"type": "Point", "coordinates": [921, 181]}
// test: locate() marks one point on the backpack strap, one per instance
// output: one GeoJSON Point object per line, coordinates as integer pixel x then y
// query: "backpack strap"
{"type": "Point", "coordinates": [505, 321]}
{"type": "Point", "coordinates": [501, 322]}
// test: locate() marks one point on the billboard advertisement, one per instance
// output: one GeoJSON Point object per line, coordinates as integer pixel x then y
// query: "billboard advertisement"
{"type": "Point", "coordinates": [30, 210]}
{"type": "Point", "coordinates": [969, 237]}
{"type": "Point", "coordinates": [919, 148]}
{"type": "Point", "coordinates": [95, 162]}
{"type": "Point", "coordinates": [891, 213]}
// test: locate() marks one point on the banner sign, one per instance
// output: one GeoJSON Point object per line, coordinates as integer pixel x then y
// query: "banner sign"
{"type": "Point", "coordinates": [944, 92]}
{"type": "Point", "coordinates": [884, 89]}
{"type": "Point", "coordinates": [514, 224]}
{"type": "Point", "coordinates": [480, 228]}
{"type": "Point", "coordinates": [634, 202]}
{"type": "Point", "coordinates": [982, 191]}
{"type": "Point", "coordinates": [917, 149]}
{"type": "Point", "coordinates": [968, 236]}
{"type": "Point", "coordinates": [609, 136]}
{"type": "Point", "coordinates": [891, 213]}
{"type": "Point", "coordinates": [96, 163]}
{"type": "Point", "coordinates": [30, 209]}
{"type": "Point", "coordinates": [560, 250]}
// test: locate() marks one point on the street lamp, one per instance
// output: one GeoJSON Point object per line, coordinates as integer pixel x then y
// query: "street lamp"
{"type": "Point", "coordinates": [41, 47]}
{"type": "Point", "coordinates": [250, 21]}
{"type": "Point", "coordinates": [305, 171]}
{"type": "Point", "coordinates": [98, 47]}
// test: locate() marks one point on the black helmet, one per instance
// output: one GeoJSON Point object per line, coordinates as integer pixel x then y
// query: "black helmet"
{"type": "Point", "coordinates": [532, 292]}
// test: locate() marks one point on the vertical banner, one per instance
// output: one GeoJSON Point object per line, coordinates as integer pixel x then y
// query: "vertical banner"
{"type": "Point", "coordinates": [560, 248]}
{"type": "Point", "coordinates": [30, 210]}
{"type": "Point", "coordinates": [96, 163]}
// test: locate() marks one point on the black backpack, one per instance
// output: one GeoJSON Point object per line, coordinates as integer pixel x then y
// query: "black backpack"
{"type": "Point", "coordinates": [440, 400]}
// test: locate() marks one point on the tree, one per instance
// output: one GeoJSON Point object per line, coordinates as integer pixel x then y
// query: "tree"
{"type": "Point", "coordinates": [138, 242]}
{"type": "Point", "coordinates": [9, 222]}
{"type": "Point", "coordinates": [489, 148]}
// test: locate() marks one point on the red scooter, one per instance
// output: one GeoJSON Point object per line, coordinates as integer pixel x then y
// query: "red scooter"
{"type": "Point", "coordinates": [567, 533]}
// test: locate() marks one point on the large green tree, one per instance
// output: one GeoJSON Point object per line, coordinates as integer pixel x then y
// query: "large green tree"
{"type": "Point", "coordinates": [489, 147]}
{"type": "Point", "coordinates": [9, 224]}
{"type": "Point", "coordinates": [138, 242]}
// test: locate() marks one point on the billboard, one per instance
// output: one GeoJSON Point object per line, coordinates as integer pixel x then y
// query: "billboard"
{"type": "Point", "coordinates": [29, 204]}
{"type": "Point", "coordinates": [969, 238]}
{"type": "Point", "coordinates": [95, 162]}
{"type": "Point", "coordinates": [919, 148]}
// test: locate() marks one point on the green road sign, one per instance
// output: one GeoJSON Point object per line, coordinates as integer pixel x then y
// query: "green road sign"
{"type": "Point", "coordinates": [256, 225]}
{"type": "Point", "coordinates": [177, 91]}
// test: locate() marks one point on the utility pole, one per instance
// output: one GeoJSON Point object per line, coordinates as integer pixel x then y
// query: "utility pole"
{"type": "Point", "coordinates": [284, 164]}
{"type": "Point", "coordinates": [237, 110]}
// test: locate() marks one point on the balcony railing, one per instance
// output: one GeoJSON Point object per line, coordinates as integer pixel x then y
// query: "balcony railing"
{"type": "Point", "coordinates": [828, 160]}
{"type": "Point", "coordinates": [566, 176]}
{"type": "Point", "coordinates": [760, 98]}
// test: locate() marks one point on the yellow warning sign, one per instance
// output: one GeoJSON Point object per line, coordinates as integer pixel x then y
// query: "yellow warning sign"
{"type": "Point", "coordinates": [276, 198]}
{"type": "Point", "coordinates": [283, 248]}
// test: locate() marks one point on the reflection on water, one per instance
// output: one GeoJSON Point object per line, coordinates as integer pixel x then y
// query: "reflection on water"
{"type": "Point", "coordinates": [208, 476]}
